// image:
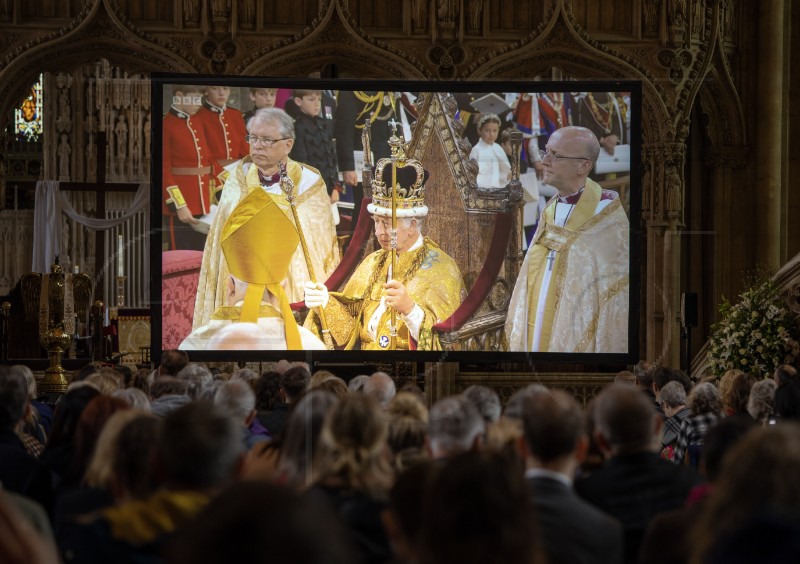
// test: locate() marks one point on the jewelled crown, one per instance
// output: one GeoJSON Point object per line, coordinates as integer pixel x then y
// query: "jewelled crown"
{"type": "Point", "coordinates": [410, 178]}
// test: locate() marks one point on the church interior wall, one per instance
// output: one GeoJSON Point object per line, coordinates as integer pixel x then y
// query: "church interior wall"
{"type": "Point", "coordinates": [701, 55]}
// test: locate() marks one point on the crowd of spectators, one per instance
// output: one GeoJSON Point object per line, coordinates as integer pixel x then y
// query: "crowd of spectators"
{"type": "Point", "coordinates": [186, 464]}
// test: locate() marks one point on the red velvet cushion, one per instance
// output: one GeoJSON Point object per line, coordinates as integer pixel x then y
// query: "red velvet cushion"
{"type": "Point", "coordinates": [180, 274]}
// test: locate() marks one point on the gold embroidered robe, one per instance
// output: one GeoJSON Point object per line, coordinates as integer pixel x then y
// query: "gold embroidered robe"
{"type": "Point", "coordinates": [431, 278]}
{"type": "Point", "coordinates": [316, 221]}
{"type": "Point", "coordinates": [586, 307]}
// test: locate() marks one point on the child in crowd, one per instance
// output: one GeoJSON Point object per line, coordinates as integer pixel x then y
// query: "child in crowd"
{"type": "Point", "coordinates": [261, 98]}
{"type": "Point", "coordinates": [494, 169]}
{"type": "Point", "coordinates": [313, 144]}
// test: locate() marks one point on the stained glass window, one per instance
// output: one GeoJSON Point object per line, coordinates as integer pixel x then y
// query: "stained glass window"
{"type": "Point", "coordinates": [28, 116]}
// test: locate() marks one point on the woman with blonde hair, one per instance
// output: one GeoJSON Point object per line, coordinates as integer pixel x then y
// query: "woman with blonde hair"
{"type": "Point", "coordinates": [408, 430]}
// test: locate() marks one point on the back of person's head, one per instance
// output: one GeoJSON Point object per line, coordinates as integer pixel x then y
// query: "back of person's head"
{"type": "Point", "coordinates": [167, 386]}
{"type": "Point", "coordinates": [515, 408]}
{"type": "Point", "coordinates": [408, 425]}
{"type": "Point", "coordinates": [486, 400]}
{"type": "Point", "coordinates": [553, 425]}
{"type": "Point", "coordinates": [643, 371]}
{"type": "Point", "coordinates": [319, 377]}
{"type": "Point", "coordinates": [625, 377]}
{"type": "Point", "coordinates": [141, 380]}
{"type": "Point", "coordinates": [404, 519]}
{"type": "Point", "coordinates": [758, 474]}
{"type": "Point", "coordinates": [301, 436]}
{"type": "Point", "coordinates": [785, 372]}
{"type": "Point", "coordinates": [268, 395]}
{"type": "Point", "coordinates": [786, 402]}
{"type": "Point", "coordinates": [354, 438]}
{"type": "Point", "coordinates": [294, 382]}
{"type": "Point", "coordinates": [107, 380]}
{"type": "Point", "coordinates": [200, 447]}
{"type": "Point", "coordinates": [726, 380]}
{"type": "Point", "coordinates": [454, 426]}
{"type": "Point", "coordinates": [247, 375]}
{"type": "Point", "coordinates": [122, 461]}
{"type": "Point", "coordinates": [719, 439]}
{"type": "Point", "coordinates": [662, 376]}
{"type": "Point", "coordinates": [172, 362]}
{"type": "Point", "coordinates": [504, 437]}
{"type": "Point", "coordinates": [760, 402]}
{"type": "Point", "coordinates": [67, 413]}
{"type": "Point", "coordinates": [738, 392]}
{"type": "Point", "coordinates": [414, 389]}
{"type": "Point", "coordinates": [197, 377]}
{"type": "Point", "coordinates": [27, 375]}
{"type": "Point", "coordinates": [236, 398]}
{"type": "Point", "coordinates": [334, 385]}
{"type": "Point", "coordinates": [134, 397]}
{"type": "Point", "coordinates": [13, 398]}
{"type": "Point", "coordinates": [262, 523]}
{"type": "Point", "coordinates": [673, 394]}
{"type": "Point", "coordinates": [356, 384]}
{"type": "Point", "coordinates": [90, 425]}
{"type": "Point", "coordinates": [704, 398]}
{"type": "Point", "coordinates": [477, 510]}
{"type": "Point", "coordinates": [625, 419]}
{"type": "Point", "coordinates": [381, 387]}
{"type": "Point", "coordinates": [86, 371]}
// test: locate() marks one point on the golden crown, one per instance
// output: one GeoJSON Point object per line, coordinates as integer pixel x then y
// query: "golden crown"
{"type": "Point", "coordinates": [409, 177]}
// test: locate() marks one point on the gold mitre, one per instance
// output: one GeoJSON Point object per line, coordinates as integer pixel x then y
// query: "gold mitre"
{"type": "Point", "coordinates": [411, 177]}
{"type": "Point", "coordinates": [258, 242]}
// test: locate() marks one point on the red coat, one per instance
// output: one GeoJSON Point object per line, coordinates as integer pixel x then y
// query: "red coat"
{"type": "Point", "coordinates": [186, 164]}
{"type": "Point", "coordinates": [225, 132]}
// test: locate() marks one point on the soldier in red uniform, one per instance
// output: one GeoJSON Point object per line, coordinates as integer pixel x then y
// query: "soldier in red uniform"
{"type": "Point", "coordinates": [224, 126]}
{"type": "Point", "coordinates": [188, 170]}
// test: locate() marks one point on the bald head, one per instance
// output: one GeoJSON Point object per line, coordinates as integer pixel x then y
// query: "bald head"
{"type": "Point", "coordinates": [581, 140]}
{"type": "Point", "coordinates": [241, 336]}
{"type": "Point", "coordinates": [380, 386]}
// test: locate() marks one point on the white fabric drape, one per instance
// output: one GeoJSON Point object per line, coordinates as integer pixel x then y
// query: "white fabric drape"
{"type": "Point", "coordinates": [51, 202]}
{"type": "Point", "coordinates": [46, 225]}
{"type": "Point", "coordinates": [140, 202]}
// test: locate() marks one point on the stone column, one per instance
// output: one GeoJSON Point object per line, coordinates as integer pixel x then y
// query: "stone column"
{"type": "Point", "coordinates": [769, 133]}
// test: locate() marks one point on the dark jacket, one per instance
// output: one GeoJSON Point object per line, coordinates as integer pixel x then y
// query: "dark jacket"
{"type": "Point", "coordinates": [313, 145]}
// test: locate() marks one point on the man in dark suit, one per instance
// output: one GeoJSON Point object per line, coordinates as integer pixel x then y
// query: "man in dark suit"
{"type": "Point", "coordinates": [634, 484]}
{"type": "Point", "coordinates": [573, 530]}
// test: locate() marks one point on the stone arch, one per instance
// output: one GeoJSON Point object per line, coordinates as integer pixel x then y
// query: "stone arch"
{"type": "Point", "coordinates": [335, 39]}
{"type": "Point", "coordinates": [94, 34]}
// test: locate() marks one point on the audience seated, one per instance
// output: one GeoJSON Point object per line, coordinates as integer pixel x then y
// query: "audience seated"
{"type": "Point", "coordinates": [351, 476]}
{"type": "Point", "coordinates": [356, 384]}
{"type": "Point", "coordinates": [667, 538]}
{"type": "Point", "coordinates": [573, 531]}
{"type": "Point", "coordinates": [258, 523]}
{"type": "Point", "coordinates": [454, 426]}
{"type": "Point", "coordinates": [758, 481]}
{"type": "Point", "coordinates": [486, 400]}
{"type": "Point", "coordinates": [706, 406]}
{"type": "Point", "coordinates": [408, 424]}
{"type": "Point", "coordinates": [475, 510]}
{"type": "Point", "coordinates": [19, 471]}
{"type": "Point", "coordinates": [354, 475]}
{"type": "Point", "coordinates": [293, 384]}
{"type": "Point", "coordinates": [381, 387]}
{"type": "Point", "coordinates": [634, 484]}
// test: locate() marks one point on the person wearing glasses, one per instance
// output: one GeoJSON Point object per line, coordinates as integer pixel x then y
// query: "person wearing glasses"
{"type": "Point", "coordinates": [572, 291]}
{"type": "Point", "coordinates": [271, 136]}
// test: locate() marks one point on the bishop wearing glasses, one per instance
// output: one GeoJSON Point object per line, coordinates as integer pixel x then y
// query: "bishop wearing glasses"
{"type": "Point", "coordinates": [572, 292]}
{"type": "Point", "coordinates": [300, 193]}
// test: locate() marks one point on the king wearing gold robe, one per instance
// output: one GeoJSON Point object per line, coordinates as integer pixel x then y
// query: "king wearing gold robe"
{"type": "Point", "coordinates": [271, 138]}
{"type": "Point", "coordinates": [425, 288]}
{"type": "Point", "coordinates": [572, 293]}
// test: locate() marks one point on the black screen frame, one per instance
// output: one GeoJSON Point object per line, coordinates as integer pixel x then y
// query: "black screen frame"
{"type": "Point", "coordinates": [160, 80]}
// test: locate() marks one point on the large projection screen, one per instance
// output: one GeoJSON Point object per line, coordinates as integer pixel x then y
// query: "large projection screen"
{"type": "Point", "coordinates": [516, 227]}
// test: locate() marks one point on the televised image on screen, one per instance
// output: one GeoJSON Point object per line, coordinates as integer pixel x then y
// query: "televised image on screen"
{"type": "Point", "coordinates": [391, 219]}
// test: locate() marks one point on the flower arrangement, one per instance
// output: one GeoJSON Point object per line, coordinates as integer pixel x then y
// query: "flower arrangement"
{"type": "Point", "coordinates": [756, 334]}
